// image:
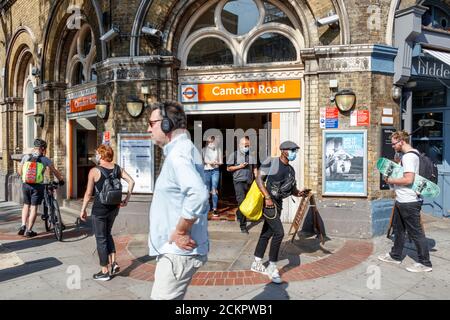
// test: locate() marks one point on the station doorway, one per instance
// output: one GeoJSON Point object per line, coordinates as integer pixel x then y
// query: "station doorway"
{"type": "Point", "coordinates": [227, 205]}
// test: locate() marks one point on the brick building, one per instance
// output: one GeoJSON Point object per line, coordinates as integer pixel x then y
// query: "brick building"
{"type": "Point", "coordinates": [248, 64]}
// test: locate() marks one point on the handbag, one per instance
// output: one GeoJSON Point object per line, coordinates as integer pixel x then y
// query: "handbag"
{"type": "Point", "coordinates": [252, 206]}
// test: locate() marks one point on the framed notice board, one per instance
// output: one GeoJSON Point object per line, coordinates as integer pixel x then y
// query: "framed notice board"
{"type": "Point", "coordinates": [386, 150]}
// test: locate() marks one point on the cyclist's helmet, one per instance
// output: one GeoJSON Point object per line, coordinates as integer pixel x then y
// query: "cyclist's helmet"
{"type": "Point", "coordinates": [39, 143]}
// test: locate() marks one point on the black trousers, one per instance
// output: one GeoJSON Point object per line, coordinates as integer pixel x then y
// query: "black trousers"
{"type": "Point", "coordinates": [272, 228]}
{"type": "Point", "coordinates": [102, 225]}
{"type": "Point", "coordinates": [407, 219]}
{"type": "Point", "coordinates": [241, 188]}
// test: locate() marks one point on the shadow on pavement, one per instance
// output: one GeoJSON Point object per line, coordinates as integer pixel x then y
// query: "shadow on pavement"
{"type": "Point", "coordinates": [28, 268]}
{"type": "Point", "coordinates": [273, 291]}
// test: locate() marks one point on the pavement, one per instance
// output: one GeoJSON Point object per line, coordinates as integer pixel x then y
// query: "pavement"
{"type": "Point", "coordinates": [340, 268]}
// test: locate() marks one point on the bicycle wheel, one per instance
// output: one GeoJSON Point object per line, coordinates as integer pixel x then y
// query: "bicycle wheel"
{"type": "Point", "coordinates": [57, 223]}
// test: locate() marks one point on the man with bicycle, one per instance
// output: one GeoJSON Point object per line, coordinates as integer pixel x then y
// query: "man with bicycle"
{"type": "Point", "coordinates": [32, 169]}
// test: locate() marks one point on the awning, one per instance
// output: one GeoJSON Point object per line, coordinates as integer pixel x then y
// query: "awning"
{"type": "Point", "coordinates": [443, 56]}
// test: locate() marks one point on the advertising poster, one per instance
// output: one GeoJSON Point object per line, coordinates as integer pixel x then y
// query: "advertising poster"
{"type": "Point", "coordinates": [136, 157]}
{"type": "Point", "coordinates": [345, 162]}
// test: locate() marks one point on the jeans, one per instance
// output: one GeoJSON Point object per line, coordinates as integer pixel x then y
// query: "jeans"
{"type": "Point", "coordinates": [407, 219]}
{"type": "Point", "coordinates": [241, 188]}
{"type": "Point", "coordinates": [272, 228]}
{"type": "Point", "coordinates": [102, 229]}
{"type": "Point", "coordinates": [212, 182]}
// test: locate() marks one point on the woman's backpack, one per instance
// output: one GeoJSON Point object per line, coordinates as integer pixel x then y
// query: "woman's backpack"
{"type": "Point", "coordinates": [111, 193]}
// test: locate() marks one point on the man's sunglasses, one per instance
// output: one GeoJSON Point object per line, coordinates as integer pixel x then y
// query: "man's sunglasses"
{"type": "Point", "coordinates": [152, 123]}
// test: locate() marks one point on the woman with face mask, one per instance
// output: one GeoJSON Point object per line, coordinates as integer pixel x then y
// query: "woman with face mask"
{"type": "Point", "coordinates": [103, 215]}
{"type": "Point", "coordinates": [212, 159]}
{"type": "Point", "coordinates": [276, 180]}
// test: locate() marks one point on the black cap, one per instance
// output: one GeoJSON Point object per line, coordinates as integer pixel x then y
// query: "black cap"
{"type": "Point", "coordinates": [288, 145]}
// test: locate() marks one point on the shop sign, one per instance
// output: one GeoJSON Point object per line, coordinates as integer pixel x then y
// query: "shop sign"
{"type": "Point", "coordinates": [241, 91]}
{"type": "Point", "coordinates": [136, 157]}
{"type": "Point", "coordinates": [329, 118]}
{"type": "Point", "coordinates": [82, 100]}
{"type": "Point", "coordinates": [345, 162]}
{"type": "Point", "coordinates": [431, 68]}
{"type": "Point", "coordinates": [360, 118]}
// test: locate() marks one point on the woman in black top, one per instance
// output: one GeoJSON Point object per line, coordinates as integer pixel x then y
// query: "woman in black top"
{"type": "Point", "coordinates": [103, 215]}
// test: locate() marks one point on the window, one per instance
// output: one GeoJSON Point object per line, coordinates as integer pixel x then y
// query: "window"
{"type": "Point", "coordinates": [241, 32]}
{"type": "Point", "coordinates": [429, 140]}
{"type": "Point", "coordinates": [430, 98]}
{"type": "Point", "coordinates": [271, 47]}
{"type": "Point", "coordinates": [81, 58]}
{"type": "Point", "coordinates": [240, 16]}
{"type": "Point", "coordinates": [210, 51]}
{"type": "Point", "coordinates": [29, 126]}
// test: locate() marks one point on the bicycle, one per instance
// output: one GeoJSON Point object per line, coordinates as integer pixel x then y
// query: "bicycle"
{"type": "Point", "coordinates": [52, 215]}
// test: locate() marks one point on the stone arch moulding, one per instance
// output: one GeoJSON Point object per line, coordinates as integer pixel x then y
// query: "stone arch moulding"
{"type": "Point", "coordinates": [14, 51]}
{"type": "Point", "coordinates": [51, 23]}
{"type": "Point", "coordinates": [302, 11]}
{"type": "Point", "coordinates": [390, 23]}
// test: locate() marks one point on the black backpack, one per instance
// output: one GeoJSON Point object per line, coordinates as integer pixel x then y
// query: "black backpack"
{"type": "Point", "coordinates": [427, 168]}
{"type": "Point", "coordinates": [111, 193]}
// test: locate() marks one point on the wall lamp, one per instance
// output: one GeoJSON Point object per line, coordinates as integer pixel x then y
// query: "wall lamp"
{"type": "Point", "coordinates": [135, 106]}
{"type": "Point", "coordinates": [39, 119]}
{"type": "Point", "coordinates": [102, 108]}
{"type": "Point", "coordinates": [345, 99]}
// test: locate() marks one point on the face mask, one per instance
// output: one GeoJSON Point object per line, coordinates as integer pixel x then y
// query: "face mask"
{"type": "Point", "coordinates": [97, 158]}
{"type": "Point", "coordinates": [245, 149]}
{"type": "Point", "coordinates": [291, 155]}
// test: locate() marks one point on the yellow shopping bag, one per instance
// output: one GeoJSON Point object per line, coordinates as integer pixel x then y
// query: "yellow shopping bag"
{"type": "Point", "coordinates": [252, 206]}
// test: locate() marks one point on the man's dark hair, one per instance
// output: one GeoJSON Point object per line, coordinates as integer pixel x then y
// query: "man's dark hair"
{"type": "Point", "coordinates": [174, 111]}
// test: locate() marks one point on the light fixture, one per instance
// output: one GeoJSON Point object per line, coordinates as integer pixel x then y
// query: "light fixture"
{"type": "Point", "coordinates": [135, 106]}
{"type": "Point", "coordinates": [330, 20]}
{"type": "Point", "coordinates": [345, 99]}
{"type": "Point", "coordinates": [111, 34]}
{"type": "Point", "coordinates": [39, 119]}
{"type": "Point", "coordinates": [396, 93]}
{"type": "Point", "coordinates": [102, 108]}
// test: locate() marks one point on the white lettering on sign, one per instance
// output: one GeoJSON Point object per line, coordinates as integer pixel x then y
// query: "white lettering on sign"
{"type": "Point", "coordinates": [267, 90]}
{"type": "Point", "coordinates": [262, 89]}
{"type": "Point", "coordinates": [433, 69]}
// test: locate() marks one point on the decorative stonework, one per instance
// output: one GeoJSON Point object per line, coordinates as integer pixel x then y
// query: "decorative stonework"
{"type": "Point", "coordinates": [345, 64]}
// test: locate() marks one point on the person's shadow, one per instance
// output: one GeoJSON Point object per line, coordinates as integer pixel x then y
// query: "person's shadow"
{"type": "Point", "coordinates": [273, 291]}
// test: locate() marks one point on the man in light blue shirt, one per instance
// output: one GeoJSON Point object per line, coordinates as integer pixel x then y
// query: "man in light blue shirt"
{"type": "Point", "coordinates": [179, 210]}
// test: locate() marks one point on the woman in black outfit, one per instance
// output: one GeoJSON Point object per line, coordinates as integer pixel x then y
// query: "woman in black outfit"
{"type": "Point", "coordinates": [103, 216]}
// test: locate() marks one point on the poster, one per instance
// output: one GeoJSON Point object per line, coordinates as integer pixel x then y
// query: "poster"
{"type": "Point", "coordinates": [344, 162]}
{"type": "Point", "coordinates": [360, 118]}
{"type": "Point", "coordinates": [136, 157]}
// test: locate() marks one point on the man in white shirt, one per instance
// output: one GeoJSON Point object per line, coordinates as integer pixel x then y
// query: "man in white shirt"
{"type": "Point", "coordinates": [407, 208]}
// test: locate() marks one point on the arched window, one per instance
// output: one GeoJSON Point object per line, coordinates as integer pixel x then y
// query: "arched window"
{"type": "Point", "coordinates": [210, 51]}
{"type": "Point", "coordinates": [81, 57]}
{"type": "Point", "coordinates": [241, 32]}
{"type": "Point", "coordinates": [271, 47]}
{"type": "Point", "coordinates": [29, 108]}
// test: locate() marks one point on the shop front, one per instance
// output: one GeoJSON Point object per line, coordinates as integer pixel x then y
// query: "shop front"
{"type": "Point", "coordinates": [267, 111]}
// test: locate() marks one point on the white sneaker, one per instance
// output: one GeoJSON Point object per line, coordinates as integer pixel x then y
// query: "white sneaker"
{"type": "Point", "coordinates": [273, 273]}
{"type": "Point", "coordinates": [257, 266]}
{"type": "Point", "coordinates": [387, 258]}
{"type": "Point", "coordinates": [418, 267]}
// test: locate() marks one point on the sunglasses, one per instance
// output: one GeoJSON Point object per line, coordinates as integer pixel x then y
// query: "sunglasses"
{"type": "Point", "coordinates": [393, 144]}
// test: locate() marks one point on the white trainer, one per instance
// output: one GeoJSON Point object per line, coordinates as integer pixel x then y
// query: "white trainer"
{"type": "Point", "coordinates": [273, 273]}
{"type": "Point", "coordinates": [257, 266]}
{"type": "Point", "coordinates": [418, 267]}
{"type": "Point", "coordinates": [387, 258]}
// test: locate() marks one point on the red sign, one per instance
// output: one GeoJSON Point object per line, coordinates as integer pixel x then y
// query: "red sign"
{"type": "Point", "coordinates": [360, 118]}
{"type": "Point", "coordinates": [332, 113]}
{"type": "Point", "coordinates": [106, 137]}
{"type": "Point", "coordinates": [83, 103]}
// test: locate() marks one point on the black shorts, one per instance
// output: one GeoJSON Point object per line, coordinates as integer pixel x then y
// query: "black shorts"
{"type": "Point", "coordinates": [33, 194]}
